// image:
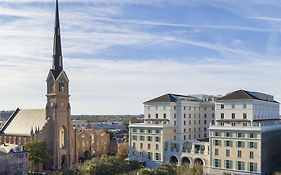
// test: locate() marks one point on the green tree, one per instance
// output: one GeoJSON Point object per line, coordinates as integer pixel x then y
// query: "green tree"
{"type": "Point", "coordinates": [184, 169]}
{"type": "Point", "coordinates": [146, 171]}
{"type": "Point", "coordinates": [38, 152]}
{"type": "Point", "coordinates": [166, 170]}
{"type": "Point", "coordinates": [197, 169]}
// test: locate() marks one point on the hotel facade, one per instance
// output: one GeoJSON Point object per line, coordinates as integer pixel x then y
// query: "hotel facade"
{"type": "Point", "coordinates": [244, 132]}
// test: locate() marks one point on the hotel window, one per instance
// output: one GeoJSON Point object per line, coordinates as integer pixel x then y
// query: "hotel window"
{"type": "Point", "coordinates": [233, 115]}
{"type": "Point", "coordinates": [240, 165]}
{"type": "Point", "coordinates": [217, 163]}
{"type": "Point", "coordinates": [205, 122]}
{"type": "Point", "coordinates": [213, 122]}
{"type": "Point", "coordinates": [157, 139]}
{"type": "Point", "coordinates": [189, 136]}
{"type": "Point", "coordinates": [175, 107]}
{"type": "Point", "coordinates": [199, 115]}
{"type": "Point", "coordinates": [175, 123]}
{"type": "Point", "coordinates": [213, 108]}
{"type": "Point", "coordinates": [189, 122]}
{"type": "Point", "coordinates": [205, 108]}
{"type": "Point", "coordinates": [149, 116]}
{"type": "Point", "coordinates": [244, 115]}
{"type": "Point", "coordinates": [239, 153]}
{"type": "Point", "coordinates": [141, 130]}
{"type": "Point", "coordinates": [184, 115]}
{"type": "Point", "coordinates": [189, 129]}
{"type": "Point", "coordinates": [164, 115]}
{"type": "Point", "coordinates": [213, 115]}
{"type": "Point", "coordinates": [134, 145]}
{"type": "Point", "coordinates": [222, 115]}
{"type": "Point", "coordinates": [205, 115]}
{"type": "Point", "coordinates": [148, 146]}
{"type": "Point", "coordinates": [157, 131]}
{"type": "Point", "coordinates": [184, 108]}
{"type": "Point", "coordinates": [157, 147]}
{"type": "Point", "coordinates": [149, 138]}
{"type": "Point", "coordinates": [199, 122]}
{"type": "Point", "coordinates": [194, 115]}
{"type": "Point", "coordinates": [184, 122]}
{"type": "Point", "coordinates": [135, 137]}
{"type": "Point", "coordinates": [142, 138]}
{"type": "Point", "coordinates": [251, 154]}
{"type": "Point", "coordinates": [252, 167]}
{"type": "Point", "coordinates": [228, 143]}
{"type": "Point", "coordinates": [228, 134]}
{"type": "Point", "coordinates": [205, 135]}
{"type": "Point", "coordinates": [205, 129]}
{"type": "Point", "coordinates": [222, 106]}
{"type": "Point", "coordinates": [149, 131]}
{"type": "Point", "coordinates": [233, 124]}
{"type": "Point", "coordinates": [184, 137]}
{"type": "Point", "coordinates": [228, 164]}
{"type": "Point", "coordinates": [233, 106]}
{"type": "Point", "coordinates": [244, 124]}
{"type": "Point", "coordinates": [217, 133]}
{"type": "Point", "coordinates": [252, 145]}
{"type": "Point", "coordinates": [217, 142]}
{"type": "Point", "coordinates": [240, 144]}
{"type": "Point", "coordinates": [157, 156]}
{"type": "Point", "coordinates": [239, 134]}
{"type": "Point", "coordinates": [189, 115]}
{"type": "Point", "coordinates": [184, 130]}
{"type": "Point", "coordinates": [149, 155]}
{"type": "Point", "coordinates": [194, 122]}
{"type": "Point", "coordinates": [227, 153]}
{"type": "Point", "coordinates": [156, 115]}
{"type": "Point", "coordinates": [175, 116]}
{"type": "Point", "coordinates": [134, 130]}
{"type": "Point", "coordinates": [253, 135]}
{"type": "Point", "coordinates": [141, 145]}
{"type": "Point", "coordinates": [244, 106]}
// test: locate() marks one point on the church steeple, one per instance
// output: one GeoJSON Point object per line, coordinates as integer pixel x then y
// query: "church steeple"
{"type": "Point", "coordinates": [57, 51]}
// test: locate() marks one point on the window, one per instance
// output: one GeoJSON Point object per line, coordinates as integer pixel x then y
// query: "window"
{"type": "Point", "coordinates": [157, 139]}
{"type": "Point", "coordinates": [175, 107]}
{"type": "Point", "coordinates": [199, 122]}
{"type": "Point", "coordinates": [244, 124]}
{"type": "Point", "coordinates": [184, 115]}
{"type": "Point", "coordinates": [251, 154]}
{"type": "Point", "coordinates": [228, 143]}
{"type": "Point", "coordinates": [157, 131]}
{"type": "Point", "coordinates": [233, 124]}
{"type": "Point", "coordinates": [244, 115]}
{"type": "Point", "coordinates": [228, 134]}
{"type": "Point", "coordinates": [134, 145]}
{"type": "Point", "coordinates": [149, 155]}
{"type": "Point", "coordinates": [233, 115]}
{"type": "Point", "coordinates": [217, 163]}
{"type": "Point", "coordinates": [239, 134]}
{"type": "Point", "coordinates": [135, 137]}
{"type": "Point", "coordinates": [134, 130]}
{"type": "Point", "coordinates": [189, 115]}
{"type": "Point", "coordinates": [239, 153]}
{"type": "Point", "coordinates": [148, 146]}
{"type": "Point", "coordinates": [205, 122]}
{"type": "Point", "coordinates": [217, 133]}
{"type": "Point", "coordinates": [244, 106]}
{"type": "Point", "coordinates": [184, 130]}
{"type": "Point", "coordinates": [149, 131]}
{"type": "Point", "coordinates": [252, 167]}
{"type": "Point", "coordinates": [156, 115]}
{"type": "Point", "coordinates": [228, 164]}
{"type": "Point", "coordinates": [227, 153]}
{"type": "Point", "coordinates": [213, 108]}
{"type": "Point", "coordinates": [141, 130]}
{"type": "Point", "coordinates": [233, 106]}
{"type": "Point", "coordinates": [142, 138]}
{"type": "Point", "coordinates": [184, 122]}
{"type": "Point", "coordinates": [184, 108]}
{"type": "Point", "coordinates": [157, 156]}
{"type": "Point", "coordinates": [222, 115]}
{"type": "Point", "coordinates": [240, 165]}
{"type": "Point", "coordinates": [216, 152]}
{"type": "Point", "coordinates": [252, 145]}
{"type": "Point", "coordinates": [149, 138]}
{"type": "Point", "coordinates": [189, 122]}
{"type": "Point", "coordinates": [194, 122]}
{"type": "Point", "coordinates": [164, 115]}
{"type": "Point", "coordinates": [141, 145]}
{"type": "Point", "coordinates": [222, 106]}
{"type": "Point", "coordinates": [205, 115]}
{"type": "Point", "coordinates": [240, 144]}
{"type": "Point", "coordinates": [205, 129]}
{"type": "Point", "coordinates": [175, 116]}
{"type": "Point", "coordinates": [175, 123]}
{"type": "Point", "coordinates": [253, 135]}
{"type": "Point", "coordinates": [184, 137]}
{"type": "Point", "coordinates": [217, 143]}
{"type": "Point", "coordinates": [61, 86]}
{"type": "Point", "coordinates": [149, 116]}
{"type": "Point", "coordinates": [213, 115]}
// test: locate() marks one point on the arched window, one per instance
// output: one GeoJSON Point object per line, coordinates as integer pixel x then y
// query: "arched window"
{"type": "Point", "coordinates": [62, 134]}
{"type": "Point", "coordinates": [61, 86]}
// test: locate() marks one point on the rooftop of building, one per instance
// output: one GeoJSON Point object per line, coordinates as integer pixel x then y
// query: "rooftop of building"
{"type": "Point", "coordinates": [247, 95]}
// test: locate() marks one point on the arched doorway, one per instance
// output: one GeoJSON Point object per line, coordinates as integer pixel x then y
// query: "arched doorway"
{"type": "Point", "coordinates": [174, 160]}
{"type": "Point", "coordinates": [185, 160]}
{"type": "Point", "coordinates": [199, 161]}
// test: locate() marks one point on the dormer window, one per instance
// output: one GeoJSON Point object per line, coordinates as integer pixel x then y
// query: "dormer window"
{"type": "Point", "coordinates": [61, 86]}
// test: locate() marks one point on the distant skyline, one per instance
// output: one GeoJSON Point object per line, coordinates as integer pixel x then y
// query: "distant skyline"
{"type": "Point", "coordinates": [120, 53]}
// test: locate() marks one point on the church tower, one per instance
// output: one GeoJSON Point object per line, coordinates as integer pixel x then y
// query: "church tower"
{"type": "Point", "coordinates": [58, 107]}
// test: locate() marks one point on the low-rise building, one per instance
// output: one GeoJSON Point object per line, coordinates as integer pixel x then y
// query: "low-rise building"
{"type": "Point", "coordinates": [13, 160]}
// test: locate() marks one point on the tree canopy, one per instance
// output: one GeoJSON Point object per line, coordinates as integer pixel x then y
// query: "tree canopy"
{"type": "Point", "coordinates": [38, 152]}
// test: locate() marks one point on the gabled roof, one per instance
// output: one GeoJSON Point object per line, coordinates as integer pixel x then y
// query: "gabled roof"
{"type": "Point", "coordinates": [22, 121]}
{"type": "Point", "coordinates": [163, 98]}
{"type": "Point", "coordinates": [244, 95]}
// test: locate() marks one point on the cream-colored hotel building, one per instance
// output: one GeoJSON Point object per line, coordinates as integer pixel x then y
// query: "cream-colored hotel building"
{"type": "Point", "coordinates": [239, 133]}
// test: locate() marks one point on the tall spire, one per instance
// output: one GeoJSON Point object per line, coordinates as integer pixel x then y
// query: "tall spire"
{"type": "Point", "coordinates": [57, 51]}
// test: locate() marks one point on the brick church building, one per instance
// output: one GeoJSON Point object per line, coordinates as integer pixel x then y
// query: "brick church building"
{"type": "Point", "coordinates": [52, 124]}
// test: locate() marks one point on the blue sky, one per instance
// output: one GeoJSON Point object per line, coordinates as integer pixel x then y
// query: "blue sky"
{"type": "Point", "coordinates": [120, 53]}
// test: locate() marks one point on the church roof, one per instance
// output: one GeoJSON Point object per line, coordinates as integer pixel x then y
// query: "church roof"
{"type": "Point", "coordinates": [23, 120]}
